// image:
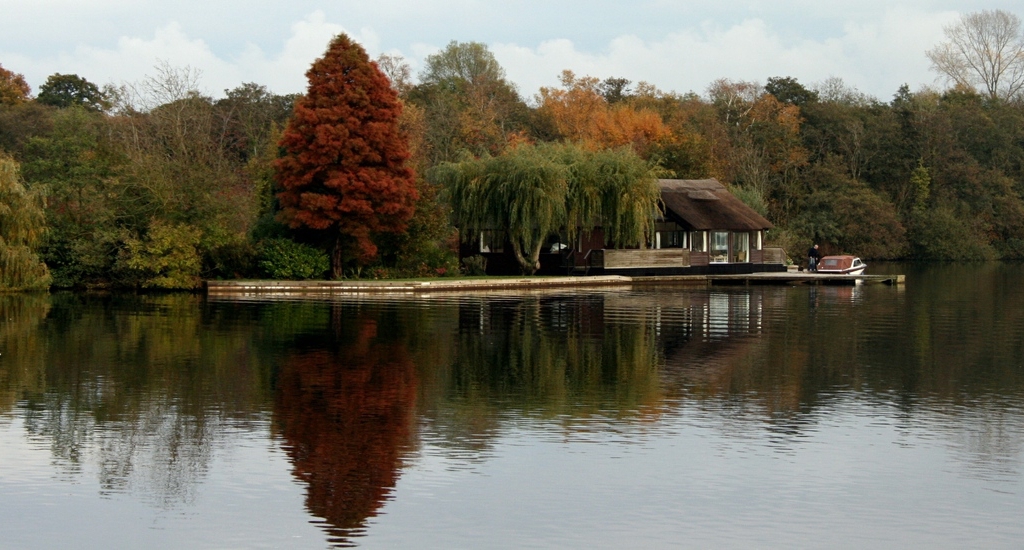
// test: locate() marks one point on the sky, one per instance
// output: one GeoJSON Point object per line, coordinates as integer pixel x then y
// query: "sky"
{"type": "Point", "coordinates": [678, 46]}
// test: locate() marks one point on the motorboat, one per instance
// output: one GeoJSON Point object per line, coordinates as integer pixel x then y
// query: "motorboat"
{"type": "Point", "coordinates": [842, 265]}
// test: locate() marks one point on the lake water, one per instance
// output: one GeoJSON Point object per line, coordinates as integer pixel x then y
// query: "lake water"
{"type": "Point", "coordinates": [661, 417]}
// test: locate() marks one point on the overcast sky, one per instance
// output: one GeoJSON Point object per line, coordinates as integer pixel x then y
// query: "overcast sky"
{"type": "Point", "coordinates": [682, 46]}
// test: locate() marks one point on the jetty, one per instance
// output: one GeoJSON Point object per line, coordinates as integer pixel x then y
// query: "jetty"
{"type": "Point", "coordinates": [359, 286]}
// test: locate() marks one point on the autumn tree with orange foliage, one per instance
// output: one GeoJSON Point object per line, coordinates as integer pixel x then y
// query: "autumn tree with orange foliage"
{"type": "Point", "coordinates": [344, 173]}
{"type": "Point", "coordinates": [582, 115]}
{"type": "Point", "coordinates": [765, 150]}
{"type": "Point", "coordinates": [470, 105]}
{"type": "Point", "coordinates": [13, 88]}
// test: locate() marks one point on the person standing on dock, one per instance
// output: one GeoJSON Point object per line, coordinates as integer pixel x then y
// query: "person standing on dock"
{"type": "Point", "coordinates": [812, 258]}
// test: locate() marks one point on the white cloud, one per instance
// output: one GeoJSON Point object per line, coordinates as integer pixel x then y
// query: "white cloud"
{"type": "Point", "coordinates": [134, 58]}
{"type": "Point", "coordinates": [876, 45]}
{"type": "Point", "coordinates": [285, 71]}
{"type": "Point", "coordinates": [875, 56]}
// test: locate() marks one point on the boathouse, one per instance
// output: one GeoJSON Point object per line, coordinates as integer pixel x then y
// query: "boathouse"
{"type": "Point", "coordinates": [702, 229]}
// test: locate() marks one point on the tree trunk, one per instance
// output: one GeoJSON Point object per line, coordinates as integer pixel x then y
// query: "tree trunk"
{"type": "Point", "coordinates": [336, 259]}
{"type": "Point", "coordinates": [528, 265]}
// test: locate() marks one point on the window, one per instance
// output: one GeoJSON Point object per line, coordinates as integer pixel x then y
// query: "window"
{"type": "Point", "coordinates": [670, 239]}
{"type": "Point", "coordinates": [492, 240]}
{"type": "Point", "coordinates": [740, 247]}
{"type": "Point", "coordinates": [556, 244]}
{"type": "Point", "coordinates": [719, 246]}
{"type": "Point", "coordinates": [698, 241]}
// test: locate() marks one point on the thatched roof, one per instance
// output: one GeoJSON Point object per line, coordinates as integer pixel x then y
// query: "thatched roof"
{"type": "Point", "coordinates": [706, 205]}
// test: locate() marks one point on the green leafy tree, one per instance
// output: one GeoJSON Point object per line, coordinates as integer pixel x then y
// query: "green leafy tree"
{"type": "Point", "coordinates": [250, 114]}
{"type": "Point", "coordinates": [615, 89]}
{"type": "Point", "coordinates": [468, 103]}
{"type": "Point", "coordinates": [21, 122]}
{"type": "Point", "coordinates": [343, 175]}
{"type": "Point", "coordinates": [181, 167]}
{"type": "Point", "coordinates": [22, 224]}
{"type": "Point", "coordinates": [289, 260]}
{"type": "Point", "coordinates": [920, 187]}
{"type": "Point", "coordinates": [466, 61]}
{"type": "Point", "coordinates": [847, 214]}
{"type": "Point", "coordinates": [787, 90]}
{"type": "Point", "coordinates": [66, 90]}
{"type": "Point", "coordinates": [79, 169]}
{"type": "Point", "coordinates": [943, 234]}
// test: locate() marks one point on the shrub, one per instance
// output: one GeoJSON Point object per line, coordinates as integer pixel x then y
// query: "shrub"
{"type": "Point", "coordinates": [167, 258]}
{"type": "Point", "coordinates": [939, 234]}
{"type": "Point", "coordinates": [289, 260]}
{"type": "Point", "coordinates": [474, 265]}
{"type": "Point", "coordinates": [233, 260]}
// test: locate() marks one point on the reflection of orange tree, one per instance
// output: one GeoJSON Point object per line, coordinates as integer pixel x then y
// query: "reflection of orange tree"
{"type": "Point", "coordinates": [346, 415]}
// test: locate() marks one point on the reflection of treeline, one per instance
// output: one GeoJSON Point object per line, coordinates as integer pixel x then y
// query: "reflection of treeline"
{"type": "Point", "coordinates": [952, 336]}
{"type": "Point", "coordinates": [555, 356]}
{"type": "Point", "coordinates": [143, 378]}
{"type": "Point", "coordinates": [960, 335]}
{"type": "Point", "coordinates": [158, 185]}
{"type": "Point", "coordinates": [23, 353]}
{"type": "Point", "coordinates": [128, 380]}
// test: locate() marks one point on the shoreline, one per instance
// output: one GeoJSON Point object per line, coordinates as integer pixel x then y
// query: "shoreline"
{"type": "Point", "coordinates": [265, 287]}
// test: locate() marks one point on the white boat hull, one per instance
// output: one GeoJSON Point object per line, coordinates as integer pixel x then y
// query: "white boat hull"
{"type": "Point", "coordinates": [841, 265]}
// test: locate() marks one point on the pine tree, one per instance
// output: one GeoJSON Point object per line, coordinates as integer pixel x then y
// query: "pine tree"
{"type": "Point", "coordinates": [343, 173]}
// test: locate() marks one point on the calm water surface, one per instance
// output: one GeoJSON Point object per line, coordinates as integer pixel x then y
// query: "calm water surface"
{"type": "Point", "coordinates": [772, 417]}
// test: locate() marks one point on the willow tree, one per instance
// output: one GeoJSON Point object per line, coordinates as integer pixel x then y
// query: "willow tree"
{"type": "Point", "coordinates": [522, 192]}
{"type": "Point", "coordinates": [22, 223]}
{"type": "Point", "coordinates": [533, 191]}
{"type": "Point", "coordinates": [613, 189]}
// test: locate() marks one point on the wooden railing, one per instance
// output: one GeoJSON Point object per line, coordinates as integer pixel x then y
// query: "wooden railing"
{"type": "Point", "coordinates": [632, 258]}
{"type": "Point", "coordinates": [773, 255]}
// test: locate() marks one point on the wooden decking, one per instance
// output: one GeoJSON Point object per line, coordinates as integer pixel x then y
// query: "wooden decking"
{"type": "Point", "coordinates": [796, 278]}
{"type": "Point", "coordinates": [631, 259]}
{"type": "Point", "coordinates": [250, 288]}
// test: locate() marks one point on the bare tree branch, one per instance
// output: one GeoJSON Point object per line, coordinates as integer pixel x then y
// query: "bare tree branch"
{"type": "Point", "coordinates": [983, 51]}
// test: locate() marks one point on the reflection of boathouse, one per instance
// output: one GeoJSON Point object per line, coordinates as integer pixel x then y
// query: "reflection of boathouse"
{"type": "Point", "coordinates": [703, 322]}
{"type": "Point", "coordinates": [703, 229]}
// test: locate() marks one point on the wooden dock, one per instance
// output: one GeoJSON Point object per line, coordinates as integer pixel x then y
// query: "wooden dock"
{"type": "Point", "coordinates": [312, 288]}
{"type": "Point", "coordinates": [792, 278]}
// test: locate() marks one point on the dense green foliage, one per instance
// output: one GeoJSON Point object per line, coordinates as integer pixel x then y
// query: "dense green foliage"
{"type": "Point", "coordinates": [167, 257]}
{"type": "Point", "coordinates": [288, 260]}
{"type": "Point", "coordinates": [66, 90]}
{"type": "Point", "coordinates": [155, 185]}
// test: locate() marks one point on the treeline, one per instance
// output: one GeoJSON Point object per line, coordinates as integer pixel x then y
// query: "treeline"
{"type": "Point", "coordinates": [156, 185]}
